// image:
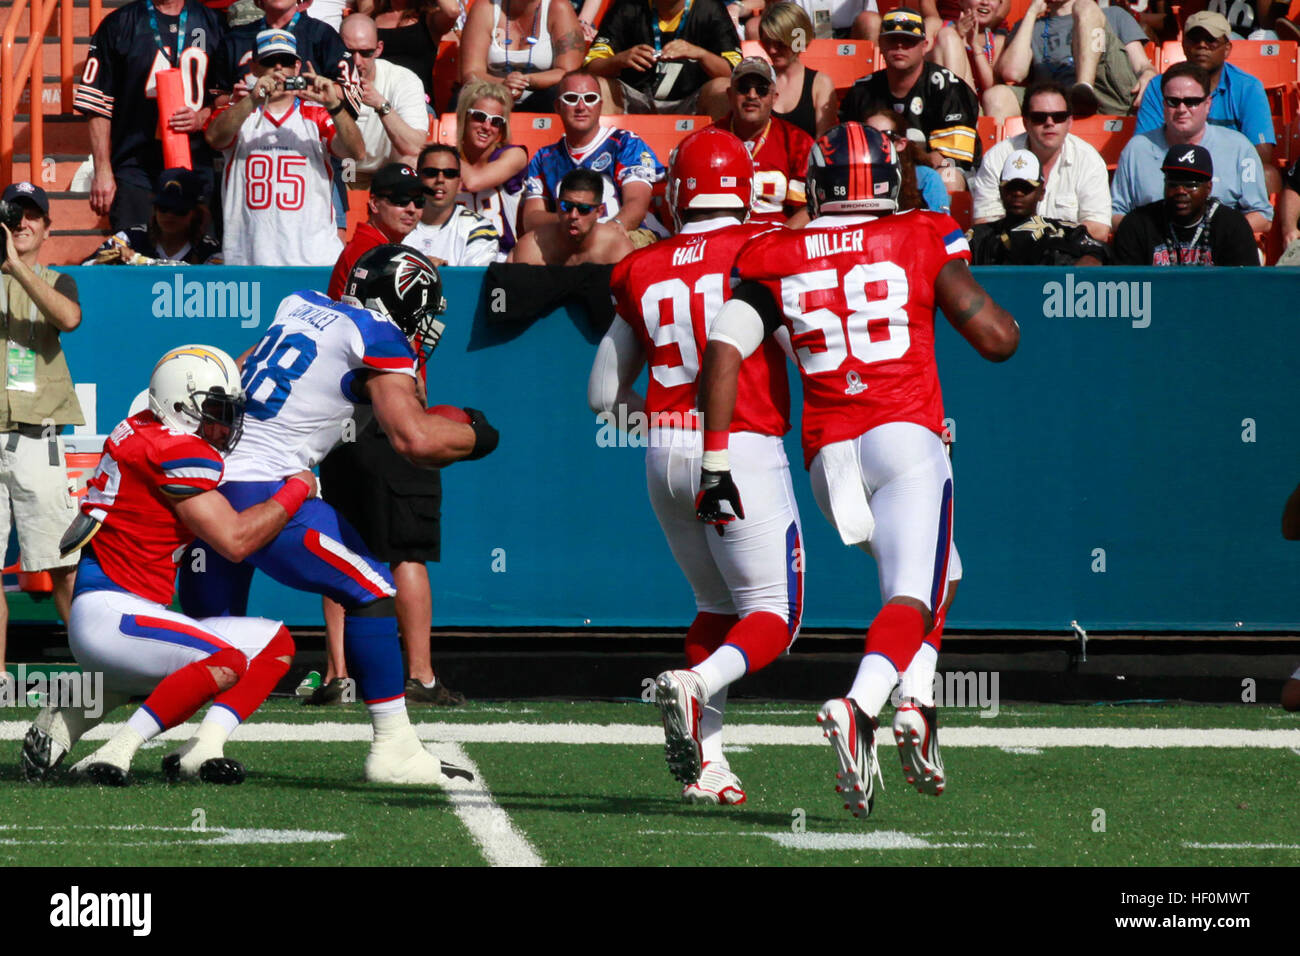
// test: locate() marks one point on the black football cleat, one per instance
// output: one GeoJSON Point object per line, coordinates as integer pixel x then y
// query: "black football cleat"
{"type": "Point", "coordinates": [107, 775]}
{"type": "Point", "coordinates": [221, 770]}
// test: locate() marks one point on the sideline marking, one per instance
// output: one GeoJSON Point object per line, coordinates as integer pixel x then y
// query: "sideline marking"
{"type": "Point", "coordinates": [224, 836]}
{"type": "Point", "coordinates": [876, 840]}
{"type": "Point", "coordinates": [499, 840]}
{"type": "Point", "coordinates": [1031, 751]}
{"type": "Point", "coordinates": [1242, 846]}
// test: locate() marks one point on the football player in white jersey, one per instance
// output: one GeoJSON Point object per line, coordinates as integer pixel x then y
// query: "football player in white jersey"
{"type": "Point", "coordinates": [309, 379]}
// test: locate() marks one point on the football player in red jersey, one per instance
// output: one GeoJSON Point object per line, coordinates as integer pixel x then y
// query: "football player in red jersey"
{"type": "Point", "coordinates": [748, 583]}
{"type": "Point", "coordinates": [154, 490]}
{"type": "Point", "coordinates": [857, 290]}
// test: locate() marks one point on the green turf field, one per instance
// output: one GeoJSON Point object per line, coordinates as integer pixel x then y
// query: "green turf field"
{"type": "Point", "coordinates": [563, 783]}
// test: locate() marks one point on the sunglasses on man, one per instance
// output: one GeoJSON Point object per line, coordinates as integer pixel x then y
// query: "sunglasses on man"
{"type": "Point", "coordinates": [749, 85]}
{"type": "Point", "coordinates": [277, 60]}
{"type": "Point", "coordinates": [573, 99]}
{"type": "Point", "coordinates": [1040, 117]}
{"type": "Point", "coordinates": [1173, 102]}
{"type": "Point", "coordinates": [446, 172]}
{"type": "Point", "coordinates": [402, 201]}
{"type": "Point", "coordinates": [481, 116]}
{"type": "Point", "coordinates": [367, 54]}
{"type": "Point", "coordinates": [584, 208]}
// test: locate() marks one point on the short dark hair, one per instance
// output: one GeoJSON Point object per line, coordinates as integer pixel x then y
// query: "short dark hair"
{"type": "Point", "coordinates": [1188, 69]}
{"type": "Point", "coordinates": [582, 180]}
{"type": "Point", "coordinates": [1046, 87]}
{"type": "Point", "coordinates": [431, 148]}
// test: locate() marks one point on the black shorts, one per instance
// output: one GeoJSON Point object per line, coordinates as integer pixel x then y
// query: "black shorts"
{"type": "Point", "coordinates": [393, 504]}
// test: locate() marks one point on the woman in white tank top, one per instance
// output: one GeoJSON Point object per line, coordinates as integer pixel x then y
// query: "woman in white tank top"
{"type": "Point", "coordinates": [528, 45]}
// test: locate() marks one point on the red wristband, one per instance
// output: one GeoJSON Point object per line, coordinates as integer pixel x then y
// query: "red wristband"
{"type": "Point", "coordinates": [716, 440]}
{"type": "Point", "coordinates": [292, 495]}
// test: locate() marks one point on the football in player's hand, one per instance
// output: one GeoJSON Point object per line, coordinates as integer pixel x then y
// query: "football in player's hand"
{"type": "Point", "coordinates": [451, 412]}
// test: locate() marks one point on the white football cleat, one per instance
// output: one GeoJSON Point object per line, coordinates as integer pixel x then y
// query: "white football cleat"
{"type": "Point", "coordinates": [681, 699]}
{"type": "Point", "coordinates": [717, 786]}
{"type": "Point", "coordinates": [45, 744]}
{"type": "Point", "coordinates": [853, 736]}
{"type": "Point", "coordinates": [916, 731]}
{"type": "Point", "coordinates": [398, 756]}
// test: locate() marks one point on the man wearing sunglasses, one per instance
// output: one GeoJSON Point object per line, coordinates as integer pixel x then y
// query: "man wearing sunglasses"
{"type": "Point", "coordinates": [448, 233]}
{"type": "Point", "coordinates": [1238, 174]}
{"type": "Point", "coordinates": [393, 120]}
{"type": "Point", "coordinates": [779, 149]}
{"type": "Point", "coordinates": [576, 235]}
{"type": "Point", "coordinates": [278, 200]}
{"type": "Point", "coordinates": [397, 200]}
{"type": "Point", "coordinates": [1239, 101]}
{"type": "Point", "coordinates": [627, 166]}
{"type": "Point", "coordinates": [1076, 184]}
{"type": "Point", "coordinates": [1187, 227]}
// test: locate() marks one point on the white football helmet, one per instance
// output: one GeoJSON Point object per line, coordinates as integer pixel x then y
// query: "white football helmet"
{"type": "Point", "coordinates": [197, 386]}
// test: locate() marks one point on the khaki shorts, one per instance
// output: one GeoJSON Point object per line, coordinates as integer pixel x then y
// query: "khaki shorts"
{"type": "Point", "coordinates": [36, 489]}
{"type": "Point", "coordinates": [1115, 78]}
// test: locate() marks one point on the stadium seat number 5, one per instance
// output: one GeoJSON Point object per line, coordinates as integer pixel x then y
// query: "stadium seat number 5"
{"type": "Point", "coordinates": [875, 330]}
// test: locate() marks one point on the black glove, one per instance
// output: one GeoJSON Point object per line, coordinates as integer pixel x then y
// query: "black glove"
{"type": "Point", "coordinates": [715, 488]}
{"type": "Point", "coordinates": [485, 436]}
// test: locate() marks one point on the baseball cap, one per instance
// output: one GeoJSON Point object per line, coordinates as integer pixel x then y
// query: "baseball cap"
{"type": "Point", "coordinates": [1189, 162]}
{"type": "Point", "coordinates": [179, 190]}
{"type": "Point", "coordinates": [1023, 165]}
{"type": "Point", "coordinates": [903, 22]}
{"type": "Point", "coordinates": [271, 42]}
{"type": "Point", "coordinates": [30, 193]}
{"type": "Point", "coordinates": [395, 181]}
{"type": "Point", "coordinates": [756, 66]}
{"type": "Point", "coordinates": [1215, 24]}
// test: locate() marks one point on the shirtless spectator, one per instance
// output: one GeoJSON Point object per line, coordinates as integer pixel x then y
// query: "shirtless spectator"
{"type": "Point", "coordinates": [576, 236]}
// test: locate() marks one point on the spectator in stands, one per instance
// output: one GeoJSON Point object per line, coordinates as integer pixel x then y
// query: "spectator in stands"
{"type": "Point", "coordinates": [1187, 227]}
{"type": "Point", "coordinates": [393, 120]}
{"type": "Point", "coordinates": [411, 31]}
{"type": "Point", "coordinates": [971, 43]}
{"type": "Point", "coordinates": [36, 306]}
{"type": "Point", "coordinates": [575, 236]}
{"type": "Point", "coordinates": [1238, 101]}
{"type": "Point", "coordinates": [331, 12]}
{"type": "Point", "coordinates": [931, 97]}
{"type": "Point", "coordinates": [1058, 40]}
{"type": "Point", "coordinates": [665, 56]}
{"type": "Point", "coordinates": [1289, 209]}
{"type": "Point", "coordinates": [525, 45]}
{"type": "Point", "coordinates": [117, 92]}
{"type": "Point", "coordinates": [174, 233]}
{"type": "Point", "coordinates": [625, 163]}
{"type": "Point", "coordinates": [396, 202]}
{"type": "Point", "coordinates": [1077, 184]}
{"type": "Point", "coordinates": [804, 97]}
{"type": "Point", "coordinates": [1249, 19]}
{"type": "Point", "coordinates": [1022, 237]}
{"type": "Point", "coordinates": [780, 149]}
{"type": "Point", "coordinates": [448, 233]}
{"type": "Point", "coordinates": [491, 167]}
{"type": "Point", "coordinates": [272, 218]}
{"type": "Point", "coordinates": [1238, 177]}
{"type": "Point", "coordinates": [922, 186]}
{"type": "Point", "coordinates": [318, 44]}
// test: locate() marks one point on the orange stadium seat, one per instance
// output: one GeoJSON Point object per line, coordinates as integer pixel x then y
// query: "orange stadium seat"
{"type": "Point", "coordinates": [661, 132]}
{"type": "Point", "coordinates": [844, 61]}
{"type": "Point", "coordinates": [446, 74]}
{"type": "Point", "coordinates": [1272, 62]}
{"type": "Point", "coordinates": [989, 131]}
{"type": "Point", "coordinates": [1107, 134]}
{"type": "Point", "coordinates": [962, 205]}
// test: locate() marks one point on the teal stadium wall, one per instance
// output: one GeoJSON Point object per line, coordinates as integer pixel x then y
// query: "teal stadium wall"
{"type": "Point", "coordinates": [1151, 422]}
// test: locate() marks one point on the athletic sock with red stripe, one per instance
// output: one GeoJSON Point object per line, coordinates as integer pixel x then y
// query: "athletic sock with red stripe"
{"type": "Point", "coordinates": [374, 657]}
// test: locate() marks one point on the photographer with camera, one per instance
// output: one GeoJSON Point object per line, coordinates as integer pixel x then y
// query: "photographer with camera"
{"type": "Point", "coordinates": [277, 134]}
{"type": "Point", "coordinates": [36, 305]}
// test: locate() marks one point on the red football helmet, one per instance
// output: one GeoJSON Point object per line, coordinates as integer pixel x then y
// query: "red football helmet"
{"type": "Point", "coordinates": [710, 169]}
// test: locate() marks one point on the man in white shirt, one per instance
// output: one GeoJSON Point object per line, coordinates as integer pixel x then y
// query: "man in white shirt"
{"type": "Point", "coordinates": [1077, 187]}
{"type": "Point", "coordinates": [448, 233]}
{"type": "Point", "coordinates": [393, 120]}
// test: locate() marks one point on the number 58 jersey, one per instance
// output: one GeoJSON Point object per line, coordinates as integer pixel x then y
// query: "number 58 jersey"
{"type": "Point", "coordinates": [305, 382]}
{"type": "Point", "coordinates": [858, 298]}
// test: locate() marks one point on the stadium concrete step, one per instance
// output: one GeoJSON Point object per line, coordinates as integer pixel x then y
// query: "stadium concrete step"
{"type": "Point", "coordinates": [67, 135]}
{"type": "Point", "coordinates": [80, 17]}
{"type": "Point", "coordinates": [70, 212]}
{"type": "Point", "coordinates": [71, 248]}
{"type": "Point", "coordinates": [56, 173]}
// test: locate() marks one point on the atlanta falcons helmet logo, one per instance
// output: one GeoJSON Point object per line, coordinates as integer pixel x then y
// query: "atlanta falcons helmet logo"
{"type": "Point", "coordinates": [401, 284]}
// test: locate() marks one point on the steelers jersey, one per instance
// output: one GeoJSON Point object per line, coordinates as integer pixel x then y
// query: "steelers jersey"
{"type": "Point", "coordinates": [858, 299]}
{"type": "Point", "coordinates": [669, 292]}
{"type": "Point", "coordinates": [304, 384]}
{"type": "Point", "coordinates": [145, 465]}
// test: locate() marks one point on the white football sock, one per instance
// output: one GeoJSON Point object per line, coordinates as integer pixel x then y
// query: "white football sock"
{"type": "Point", "coordinates": [118, 751]}
{"type": "Point", "coordinates": [720, 669]}
{"type": "Point", "coordinates": [386, 708]}
{"type": "Point", "coordinates": [711, 728]}
{"type": "Point", "coordinates": [876, 678]}
{"type": "Point", "coordinates": [918, 680]}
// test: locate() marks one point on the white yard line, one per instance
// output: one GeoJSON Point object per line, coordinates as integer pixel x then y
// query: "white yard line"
{"type": "Point", "coordinates": [502, 844]}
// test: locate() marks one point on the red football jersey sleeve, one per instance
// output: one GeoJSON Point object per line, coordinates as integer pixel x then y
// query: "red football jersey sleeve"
{"type": "Point", "coordinates": [780, 168]}
{"type": "Point", "coordinates": [144, 467]}
{"type": "Point", "coordinates": [858, 300]}
{"type": "Point", "coordinates": [669, 293]}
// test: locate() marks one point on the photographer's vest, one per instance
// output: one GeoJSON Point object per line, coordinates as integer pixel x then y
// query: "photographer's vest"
{"type": "Point", "coordinates": [38, 388]}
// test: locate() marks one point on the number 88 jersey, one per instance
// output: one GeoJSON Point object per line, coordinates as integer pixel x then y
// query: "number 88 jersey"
{"type": "Point", "coordinates": [304, 381]}
{"type": "Point", "coordinates": [858, 298]}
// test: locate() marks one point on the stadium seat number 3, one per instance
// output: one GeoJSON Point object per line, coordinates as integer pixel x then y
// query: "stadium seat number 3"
{"type": "Point", "coordinates": [875, 330]}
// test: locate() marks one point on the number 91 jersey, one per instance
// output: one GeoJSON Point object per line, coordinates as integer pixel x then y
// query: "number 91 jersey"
{"type": "Point", "coordinates": [858, 299]}
{"type": "Point", "coordinates": [304, 381]}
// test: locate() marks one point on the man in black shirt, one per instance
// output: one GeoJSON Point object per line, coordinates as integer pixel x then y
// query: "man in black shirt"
{"type": "Point", "coordinates": [931, 98]}
{"type": "Point", "coordinates": [666, 56]}
{"type": "Point", "coordinates": [1023, 238]}
{"type": "Point", "coordinates": [319, 46]}
{"type": "Point", "coordinates": [1187, 227]}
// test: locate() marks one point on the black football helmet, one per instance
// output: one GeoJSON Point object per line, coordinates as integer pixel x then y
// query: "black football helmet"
{"type": "Point", "coordinates": [401, 284]}
{"type": "Point", "coordinates": [852, 169]}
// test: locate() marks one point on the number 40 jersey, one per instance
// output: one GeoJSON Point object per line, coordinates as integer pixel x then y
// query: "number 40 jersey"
{"type": "Point", "coordinates": [304, 384]}
{"type": "Point", "coordinates": [857, 295]}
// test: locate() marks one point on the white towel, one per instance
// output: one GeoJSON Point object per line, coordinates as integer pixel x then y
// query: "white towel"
{"type": "Point", "coordinates": [846, 492]}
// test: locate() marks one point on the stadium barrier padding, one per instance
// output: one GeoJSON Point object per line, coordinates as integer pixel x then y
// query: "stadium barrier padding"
{"type": "Point", "coordinates": [1126, 469]}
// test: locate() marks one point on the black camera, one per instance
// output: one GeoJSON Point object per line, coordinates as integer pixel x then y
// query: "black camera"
{"type": "Point", "coordinates": [295, 83]}
{"type": "Point", "coordinates": [11, 214]}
